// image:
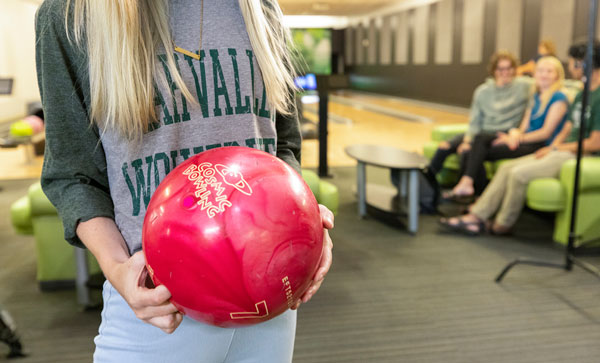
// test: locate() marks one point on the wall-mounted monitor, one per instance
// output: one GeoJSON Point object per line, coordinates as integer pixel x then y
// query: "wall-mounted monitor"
{"type": "Point", "coordinates": [307, 82]}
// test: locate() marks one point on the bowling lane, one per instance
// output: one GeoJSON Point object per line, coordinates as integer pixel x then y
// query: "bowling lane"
{"type": "Point", "coordinates": [438, 113]}
{"type": "Point", "coordinates": [368, 127]}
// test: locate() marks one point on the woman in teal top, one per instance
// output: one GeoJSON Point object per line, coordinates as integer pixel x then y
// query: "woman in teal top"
{"type": "Point", "coordinates": [537, 118]}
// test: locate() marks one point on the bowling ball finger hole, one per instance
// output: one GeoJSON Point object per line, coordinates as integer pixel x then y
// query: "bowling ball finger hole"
{"type": "Point", "coordinates": [189, 202]}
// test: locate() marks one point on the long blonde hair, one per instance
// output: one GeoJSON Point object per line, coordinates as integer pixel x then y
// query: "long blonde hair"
{"type": "Point", "coordinates": [557, 85]}
{"type": "Point", "coordinates": [123, 38]}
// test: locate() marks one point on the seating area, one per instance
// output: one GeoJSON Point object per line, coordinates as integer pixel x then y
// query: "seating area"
{"type": "Point", "coordinates": [449, 175]}
{"type": "Point", "coordinates": [545, 194]}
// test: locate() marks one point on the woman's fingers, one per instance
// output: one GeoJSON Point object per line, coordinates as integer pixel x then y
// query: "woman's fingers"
{"type": "Point", "coordinates": [296, 304]}
{"type": "Point", "coordinates": [324, 266]}
{"type": "Point", "coordinates": [150, 304]}
{"type": "Point", "coordinates": [167, 323]}
{"type": "Point", "coordinates": [149, 312]}
{"type": "Point", "coordinates": [311, 291]}
{"type": "Point", "coordinates": [326, 216]}
{"type": "Point", "coordinates": [326, 258]}
{"type": "Point", "coordinates": [152, 297]}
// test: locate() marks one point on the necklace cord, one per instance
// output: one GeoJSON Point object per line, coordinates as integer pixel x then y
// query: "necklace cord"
{"type": "Point", "coordinates": [187, 52]}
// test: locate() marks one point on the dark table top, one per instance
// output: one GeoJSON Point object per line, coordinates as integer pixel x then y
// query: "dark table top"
{"type": "Point", "coordinates": [386, 156]}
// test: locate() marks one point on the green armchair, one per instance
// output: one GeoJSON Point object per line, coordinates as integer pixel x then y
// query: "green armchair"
{"type": "Point", "coordinates": [325, 192]}
{"type": "Point", "coordinates": [444, 133]}
{"type": "Point", "coordinates": [556, 195]}
{"type": "Point", "coordinates": [33, 214]}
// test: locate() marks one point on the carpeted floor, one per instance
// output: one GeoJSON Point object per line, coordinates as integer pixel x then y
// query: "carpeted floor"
{"type": "Point", "coordinates": [393, 297]}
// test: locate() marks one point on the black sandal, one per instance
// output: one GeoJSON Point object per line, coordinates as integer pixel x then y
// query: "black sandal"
{"type": "Point", "coordinates": [463, 227]}
{"type": "Point", "coordinates": [458, 198]}
{"type": "Point", "coordinates": [494, 232]}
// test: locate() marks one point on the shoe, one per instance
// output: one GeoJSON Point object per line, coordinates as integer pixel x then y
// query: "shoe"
{"type": "Point", "coordinates": [458, 198]}
{"type": "Point", "coordinates": [462, 227]}
{"type": "Point", "coordinates": [500, 230]}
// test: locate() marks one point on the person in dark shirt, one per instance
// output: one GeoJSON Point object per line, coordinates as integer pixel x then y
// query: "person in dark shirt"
{"type": "Point", "coordinates": [545, 48]}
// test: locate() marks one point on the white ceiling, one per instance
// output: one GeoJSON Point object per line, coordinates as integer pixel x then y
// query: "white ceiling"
{"type": "Point", "coordinates": [349, 8]}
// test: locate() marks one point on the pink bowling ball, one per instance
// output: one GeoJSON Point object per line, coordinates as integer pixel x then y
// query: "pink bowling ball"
{"type": "Point", "coordinates": [235, 234]}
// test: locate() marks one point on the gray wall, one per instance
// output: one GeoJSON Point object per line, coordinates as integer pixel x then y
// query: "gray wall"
{"type": "Point", "coordinates": [444, 57]}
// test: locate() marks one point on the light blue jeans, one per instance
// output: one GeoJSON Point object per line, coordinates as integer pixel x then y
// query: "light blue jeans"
{"type": "Point", "coordinates": [124, 338]}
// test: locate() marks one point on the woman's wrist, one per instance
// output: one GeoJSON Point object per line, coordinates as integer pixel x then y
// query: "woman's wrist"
{"type": "Point", "coordinates": [102, 237]}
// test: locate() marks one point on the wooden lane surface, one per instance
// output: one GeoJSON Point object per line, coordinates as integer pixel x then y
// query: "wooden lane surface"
{"type": "Point", "coordinates": [441, 114]}
{"type": "Point", "coordinates": [373, 128]}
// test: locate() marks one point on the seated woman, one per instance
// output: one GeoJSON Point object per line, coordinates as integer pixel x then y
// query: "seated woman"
{"type": "Point", "coordinates": [545, 48]}
{"type": "Point", "coordinates": [541, 123]}
{"type": "Point", "coordinates": [498, 105]}
{"type": "Point", "coordinates": [505, 195]}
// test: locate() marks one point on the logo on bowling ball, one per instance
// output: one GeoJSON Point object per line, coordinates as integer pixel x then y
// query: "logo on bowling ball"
{"type": "Point", "coordinates": [211, 181]}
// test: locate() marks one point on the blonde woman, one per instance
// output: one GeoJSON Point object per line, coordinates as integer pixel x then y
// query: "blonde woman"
{"type": "Point", "coordinates": [130, 89]}
{"type": "Point", "coordinates": [504, 197]}
{"type": "Point", "coordinates": [542, 121]}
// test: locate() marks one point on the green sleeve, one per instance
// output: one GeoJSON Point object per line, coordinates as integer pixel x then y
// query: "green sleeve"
{"type": "Point", "coordinates": [74, 175]}
{"type": "Point", "coordinates": [595, 116]}
{"type": "Point", "coordinates": [572, 106]}
{"type": "Point", "coordinates": [289, 139]}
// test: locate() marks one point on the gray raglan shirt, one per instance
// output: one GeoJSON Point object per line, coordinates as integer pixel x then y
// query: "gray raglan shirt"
{"type": "Point", "coordinates": [90, 172]}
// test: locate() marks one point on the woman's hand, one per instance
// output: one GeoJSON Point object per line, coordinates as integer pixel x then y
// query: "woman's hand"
{"type": "Point", "coordinates": [326, 257]}
{"type": "Point", "coordinates": [511, 140]}
{"type": "Point", "coordinates": [463, 147]}
{"type": "Point", "coordinates": [150, 304]}
{"type": "Point", "coordinates": [501, 139]}
{"type": "Point", "coordinates": [541, 152]}
{"type": "Point", "coordinates": [128, 274]}
{"type": "Point", "coordinates": [444, 145]}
